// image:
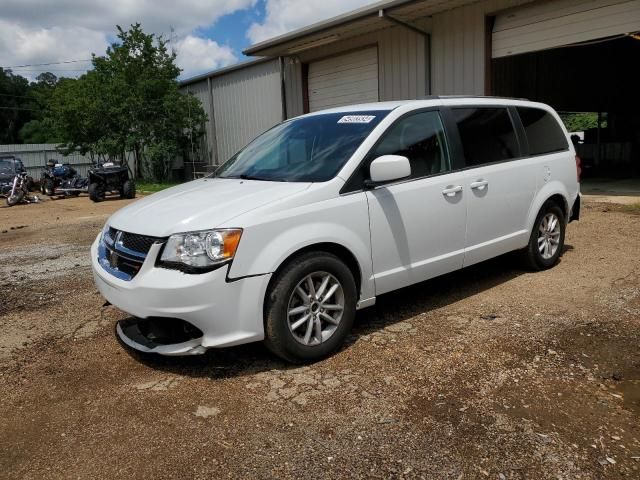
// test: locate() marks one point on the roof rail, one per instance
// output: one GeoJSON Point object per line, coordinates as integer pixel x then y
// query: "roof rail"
{"type": "Point", "coordinates": [444, 97]}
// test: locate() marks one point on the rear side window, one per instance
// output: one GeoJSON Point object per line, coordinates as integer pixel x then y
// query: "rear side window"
{"type": "Point", "coordinates": [544, 135]}
{"type": "Point", "coordinates": [487, 135]}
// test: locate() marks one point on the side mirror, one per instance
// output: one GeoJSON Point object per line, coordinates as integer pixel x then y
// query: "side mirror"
{"type": "Point", "coordinates": [388, 168]}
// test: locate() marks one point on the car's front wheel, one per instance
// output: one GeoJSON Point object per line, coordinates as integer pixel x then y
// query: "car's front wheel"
{"type": "Point", "coordinates": [547, 238]}
{"type": "Point", "coordinates": [310, 307]}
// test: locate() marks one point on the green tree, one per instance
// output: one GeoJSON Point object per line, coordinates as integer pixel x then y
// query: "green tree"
{"type": "Point", "coordinates": [129, 102]}
{"type": "Point", "coordinates": [579, 122]}
{"type": "Point", "coordinates": [15, 105]}
{"type": "Point", "coordinates": [40, 128]}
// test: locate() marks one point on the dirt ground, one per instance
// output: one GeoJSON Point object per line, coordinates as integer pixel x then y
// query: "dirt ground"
{"type": "Point", "coordinates": [492, 372]}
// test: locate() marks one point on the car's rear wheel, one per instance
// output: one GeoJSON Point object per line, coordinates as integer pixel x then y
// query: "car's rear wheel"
{"type": "Point", "coordinates": [547, 237]}
{"type": "Point", "coordinates": [310, 308]}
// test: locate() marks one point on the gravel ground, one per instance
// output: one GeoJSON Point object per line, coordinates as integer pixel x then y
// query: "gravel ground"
{"type": "Point", "coordinates": [492, 372]}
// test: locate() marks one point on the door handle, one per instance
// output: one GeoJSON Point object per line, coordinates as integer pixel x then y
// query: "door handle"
{"type": "Point", "coordinates": [451, 191]}
{"type": "Point", "coordinates": [479, 185]}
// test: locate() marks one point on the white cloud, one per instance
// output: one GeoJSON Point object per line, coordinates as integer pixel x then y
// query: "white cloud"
{"type": "Point", "coordinates": [42, 31]}
{"type": "Point", "coordinates": [155, 15]}
{"type": "Point", "coordinates": [283, 16]}
{"type": "Point", "coordinates": [198, 55]}
{"type": "Point", "coordinates": [27, 45]}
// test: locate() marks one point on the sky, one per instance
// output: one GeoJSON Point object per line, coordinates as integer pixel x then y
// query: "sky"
{"type": "Point", "coordinates": [206, 34]}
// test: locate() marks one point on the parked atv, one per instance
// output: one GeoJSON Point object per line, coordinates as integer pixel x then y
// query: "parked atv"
{"type": "Point", "coordinates": [62, 180]}
{"type": "Point", "coordinates": [108, 178]}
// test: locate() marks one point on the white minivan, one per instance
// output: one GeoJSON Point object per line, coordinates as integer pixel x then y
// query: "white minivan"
{"type": "Point", "coordinates": [321, 214]}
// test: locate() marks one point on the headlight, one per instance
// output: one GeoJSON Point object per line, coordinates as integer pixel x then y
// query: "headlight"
{"type": "Point", "coordinates": [105, 231]}
{"type": "Point", "coordinates": [201, 250]}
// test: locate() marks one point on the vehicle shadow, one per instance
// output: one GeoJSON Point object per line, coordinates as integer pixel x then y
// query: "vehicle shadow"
{"type": "Point", "coordinates": [390, 308]}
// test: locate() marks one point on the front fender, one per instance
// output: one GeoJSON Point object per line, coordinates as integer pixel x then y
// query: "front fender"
{"type": "Point", "coordinates": [343, 221]}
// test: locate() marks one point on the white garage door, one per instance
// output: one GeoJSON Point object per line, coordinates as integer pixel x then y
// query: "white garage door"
{"type": "Point", "coordinates": [343, 80]}
{"type": "Point", "coordinates": [550, 24]}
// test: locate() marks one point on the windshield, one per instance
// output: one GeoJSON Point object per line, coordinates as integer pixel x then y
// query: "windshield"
{"type": "Point", "coordinates": [307, 149]}
{"type": "Point", "coordinates": [6, 165]}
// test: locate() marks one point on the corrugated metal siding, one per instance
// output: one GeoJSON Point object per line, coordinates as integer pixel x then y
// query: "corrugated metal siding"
{"type": "Point", "coordinates": [246, 103]}
{"type": "Point", "coordinates": [293, 87]}
{"type": "Point", "coordinates": [546, 25]}
{"type": "Point", "coordinates": [35, 156]}
{"type": "Point", "coordinates": [458, 47]}
{"type": "Point", "coordinates": [200, 90]}
{"type": "Point", "coordinates": [344, 80]}
{"type": "Point", "coordinates": [403, 66]}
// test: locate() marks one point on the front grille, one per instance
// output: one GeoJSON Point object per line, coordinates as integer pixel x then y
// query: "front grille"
{"type": "Point", "coordinates": [137, 243]}
{"type": "Point", "coordinates": [122, 253]}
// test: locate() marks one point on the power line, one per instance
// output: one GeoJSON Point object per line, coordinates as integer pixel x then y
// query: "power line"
{"type": "Point", "coordinates": [16, 96]}
{"type": "Point", "coordinates": [45, 64]}
{"type": "Point", "coordinates": [51, 70]}
{"type": "Point", "coordinates": [21, 108]}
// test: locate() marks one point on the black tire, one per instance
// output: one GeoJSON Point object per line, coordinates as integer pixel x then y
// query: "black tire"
{"type": "Point", "coordinates": [533, 256]}
{"type": "Point", "coordinates": [96, 192]}
{"type": "Point", "coordinates": [129, 189]}
{"type": "Point", "coordinates": [48, 187]}
{"type": "Point", "coordinates": [29, 184]}
{"type": "Point", "coordinates": [15, 199]}
{"type": "Point", "coordinates": [278, 335]}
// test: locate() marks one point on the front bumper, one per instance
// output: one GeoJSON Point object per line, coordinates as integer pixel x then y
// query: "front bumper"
{"type": "Point", "coordinates": [227, 312]}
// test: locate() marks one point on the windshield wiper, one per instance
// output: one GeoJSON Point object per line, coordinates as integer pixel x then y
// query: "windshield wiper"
{"type": "Point", "coordinates": [260, 179]}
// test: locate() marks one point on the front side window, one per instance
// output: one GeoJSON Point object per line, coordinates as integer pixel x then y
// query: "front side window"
{"type": "Point", "coordinates": [307, 149]}
{"type": "Point", "coordinates": [419, 137]}
{"type": "Point", "coordinates": [487, 135]}
{"type": "Point", "coordinates": [544, 134]}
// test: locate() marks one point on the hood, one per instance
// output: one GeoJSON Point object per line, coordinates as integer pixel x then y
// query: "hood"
{"type": "Point", "coordinates": [199, 205]}
{"type": "Point", "coordinates": [6, 177]}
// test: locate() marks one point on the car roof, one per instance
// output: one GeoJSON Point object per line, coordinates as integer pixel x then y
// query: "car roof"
{"type": "Point", "coordinates": [451, 100]}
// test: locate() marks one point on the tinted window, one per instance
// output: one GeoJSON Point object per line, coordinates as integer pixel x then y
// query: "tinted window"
{"type": "Point", "coordinates": [421, 139]}
{"type": "Point", "coordinates": [544, 135]}
{"type": "Point", "coordinates": [306, 149]}
{"type": "Point", "coordinates": [487, 135]}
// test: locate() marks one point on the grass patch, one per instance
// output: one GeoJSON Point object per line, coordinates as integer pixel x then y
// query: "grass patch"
{"type": "Point", "coordinates": [633, 208]}
{"type": "Point", "coordinates": [144, 187]}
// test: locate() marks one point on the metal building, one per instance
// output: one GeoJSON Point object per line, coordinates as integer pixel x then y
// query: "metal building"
{"type": "Point", "coordinates": [577, 55]}
{"type": "Point", "coordinates": [241, 102]}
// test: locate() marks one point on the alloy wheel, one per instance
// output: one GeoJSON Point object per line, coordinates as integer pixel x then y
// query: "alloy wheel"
{"type": "Point", "coordinates": [315, 308]}
{"type": "Point", "coordinates": [549, 236]}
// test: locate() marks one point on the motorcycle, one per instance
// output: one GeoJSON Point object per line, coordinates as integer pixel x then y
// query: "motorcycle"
{"type": "Point", "coordinates": [19, 191]}
{"type": "Point", "coordinates": [58, 179]}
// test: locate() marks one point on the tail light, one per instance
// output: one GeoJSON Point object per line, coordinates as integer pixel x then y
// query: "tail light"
{"type": "Point", "coordinates": [578, 168]}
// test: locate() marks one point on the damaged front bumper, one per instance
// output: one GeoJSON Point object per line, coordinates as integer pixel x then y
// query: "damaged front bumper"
{"type": "Point", "coordinates": [218, 312]}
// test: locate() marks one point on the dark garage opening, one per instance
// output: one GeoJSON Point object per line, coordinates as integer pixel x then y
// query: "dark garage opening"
{"type": "Point", "coordinates": [585, 81]}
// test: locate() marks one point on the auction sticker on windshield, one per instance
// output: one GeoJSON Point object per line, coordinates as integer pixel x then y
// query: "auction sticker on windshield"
{"type": "Point", "coordinates": [357, 119]}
